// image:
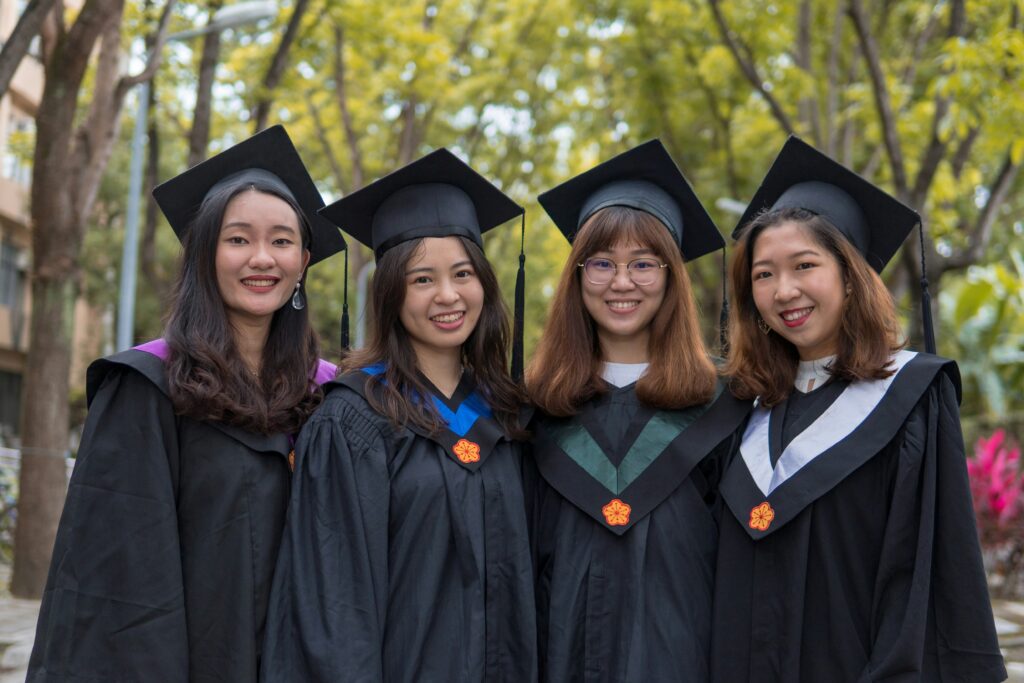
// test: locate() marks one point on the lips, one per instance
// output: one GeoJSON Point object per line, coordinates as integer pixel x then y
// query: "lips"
{"type": "Point", "coordinates": [449, 321]}
{"type": "Point", "coordinates": [262, 282]}
{"type": "Point", "coordinates": [795, 317]}
{"type": "Point", "coordinates": [623, 306]}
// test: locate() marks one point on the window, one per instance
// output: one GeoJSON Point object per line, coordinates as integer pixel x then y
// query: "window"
{"type": "Point", "coordinates": [10, 402]}
{"type": "Point", "coordinates": [12, 279]}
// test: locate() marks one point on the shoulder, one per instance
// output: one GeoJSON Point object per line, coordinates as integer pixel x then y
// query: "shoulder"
{"type": "Point", "coordinates": [347, 410]}
{"type": "Point", "coordinates": [136, 368]}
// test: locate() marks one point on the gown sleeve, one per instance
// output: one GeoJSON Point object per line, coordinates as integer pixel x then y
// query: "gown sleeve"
{"type": "Point", "coordinates": [329, 598]}
{"type": "Point", "coordinates": [113, 608]}
{"type": "Point", "coordinates": [932, 618]}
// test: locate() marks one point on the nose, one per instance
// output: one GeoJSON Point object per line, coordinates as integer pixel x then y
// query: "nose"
{"type": "Point", "coordinates": [447, 293]}
{"type": "Point", "coordinates": [786, 288]}
{"type": "Point", "coordinates": [261, 257]}
{"type": "Point", "coordinates": [621, 280]}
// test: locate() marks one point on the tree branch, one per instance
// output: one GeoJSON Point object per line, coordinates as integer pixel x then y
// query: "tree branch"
{"type": "Point", "coordinates": [16, 47]}
{"type": "Point", "coordinates": [325, 144]}
{"type": "Point", "coordinates": [277, 66]}
{"type": "Point", "coordinates": [869, 48]}
{"type": "Point", "coordinates": [809, 111]}
{"type": "Point", "coordinates": [981, 233]}
{"type": "Point", "coordinates": [736, 48]}
{"type": "Point", "coordinates": [341, 95]}
{"type": "Point", "coordinates": [155, 54]}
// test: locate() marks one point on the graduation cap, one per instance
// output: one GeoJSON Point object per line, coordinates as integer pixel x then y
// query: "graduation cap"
{"type": "Point", "coordinates": [437, 195]}
{"type": "Point", "coordinates": [873, 221]}
{"type": "Point", "coordinates": [644, 178]}
{"type": "Point", "coordinates": [269, 158]}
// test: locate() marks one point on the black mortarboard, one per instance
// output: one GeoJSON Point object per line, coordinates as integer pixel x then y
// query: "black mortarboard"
{"type": "Point", "coordinates": [802, 177]}
{"type": "Point", "coordinates": [268, 157]}
{"type": "Point", "coordinates": [644, 178]}
{"type": "Point", "coordinates": [435, 196]}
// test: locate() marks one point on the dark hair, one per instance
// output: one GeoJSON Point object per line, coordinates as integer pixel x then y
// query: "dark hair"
{"type": "Point", "coordinates": [566, 369]}
{"type": "Point", "coordinates": [484, 353]}
{"type": "Point", "coordinates": [207, 377]}
{"type": "Point", "coordinates": [869, 333]}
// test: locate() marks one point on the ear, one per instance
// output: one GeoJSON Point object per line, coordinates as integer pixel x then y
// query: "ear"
{"type": "Point", "coordinates": [306, 255]}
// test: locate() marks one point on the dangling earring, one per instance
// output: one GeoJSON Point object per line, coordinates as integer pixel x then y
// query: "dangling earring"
{"type": "Point", "coordinates": [763, 326]}
{"type": "Point", "coordinates": [298, 298]}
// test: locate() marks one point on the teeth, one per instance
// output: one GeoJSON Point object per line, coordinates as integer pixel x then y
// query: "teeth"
{"type": "Point", "coordinates": [447, 317]}
{"type": "Point", "coordinates": [259, 283]}
{"type": "Point", "coordinates": [795, 315]}
{"type": "Point", "coordinates": [623, 305]}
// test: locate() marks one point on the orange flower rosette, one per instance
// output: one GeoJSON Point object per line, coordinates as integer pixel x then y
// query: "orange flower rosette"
{"type": "Point", "coordinates": [466, 451]}
{"type": "Point", "coordinates": [616, 513]}
{"type": "Point", "coordinates": [761, 516]}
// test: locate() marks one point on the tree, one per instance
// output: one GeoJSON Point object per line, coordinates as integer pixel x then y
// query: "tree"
{"type": "Point", "coordinates": [18, 43]}
{"type": "Point", "coordinates": [71, 153]}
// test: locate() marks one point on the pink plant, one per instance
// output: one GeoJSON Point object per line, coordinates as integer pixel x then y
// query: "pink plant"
{"type": "Point", "coordinates": [997, 487]}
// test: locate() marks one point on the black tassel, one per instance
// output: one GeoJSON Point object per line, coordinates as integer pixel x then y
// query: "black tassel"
{"type": "Point", "coordinates": [520, 305]}
{"type": "Point", "coordinates": [723, 318]}
{"type": "Point", "coordinates": [344, 310]}
{"type": "Point", "coordinates": [926, 300]}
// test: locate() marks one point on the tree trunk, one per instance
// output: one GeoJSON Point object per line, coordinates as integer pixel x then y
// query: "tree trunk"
{"type": "Point", "coordinates": [199, 137]}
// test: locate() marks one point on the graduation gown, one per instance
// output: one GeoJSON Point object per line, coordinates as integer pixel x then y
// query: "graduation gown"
{"type": "Point", "coordinates": [405, 556]}
{"type": "Point", "coordinates": [855, 556]}
{"type": "Point", "coordinates": [163, 560]}
{"type": "Point", "coordinates": [625, 533]}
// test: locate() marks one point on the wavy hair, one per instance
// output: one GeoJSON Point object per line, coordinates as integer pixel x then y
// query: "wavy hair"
{"type": "Point", "coordinates": [394, 392]}
{"type": "Point", "coordinates": [765, 365]}
{"type": "Point", "coordinates": [566, 368]}
{"type": "Point", "coordinates": [207, 377]}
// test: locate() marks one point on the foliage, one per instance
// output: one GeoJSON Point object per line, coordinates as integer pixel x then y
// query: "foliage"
{"type": "Point", "coordinates": [997, 487]}
{"type": "Point", "coordinates": [983, 314]}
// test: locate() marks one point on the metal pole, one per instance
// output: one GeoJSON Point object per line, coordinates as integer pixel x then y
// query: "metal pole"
{"type": "Point", "coordinates": [130, 257]}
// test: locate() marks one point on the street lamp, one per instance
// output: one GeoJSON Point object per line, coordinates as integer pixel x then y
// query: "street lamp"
{"type": "Point", "coordinates": [230, 16]}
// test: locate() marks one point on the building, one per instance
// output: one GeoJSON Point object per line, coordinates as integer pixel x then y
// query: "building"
{"type": "Point", "coordinates": [17, 131]}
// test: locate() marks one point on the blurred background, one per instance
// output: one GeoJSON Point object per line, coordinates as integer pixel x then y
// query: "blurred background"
{"type": "Point", "coordinates": [103, 99]}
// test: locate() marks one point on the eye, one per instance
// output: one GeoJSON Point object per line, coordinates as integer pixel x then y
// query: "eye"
{"type": "Point", "coordinates": [236, 239]}
{"type": "Point", "coordinates": [601, 264]}
{"type": "Point", "coordinates": [761, 275]}
{"type": "Point", "coordinates": [284, 241]}
{"type": "Point", "coordinates": [805, 265]}
{"type": "Point", "coordinates": [464, 274]}
{"type": "Point", "coordinates": [421, 280]}
{"type": "Point", "coordinates": [644, 264]}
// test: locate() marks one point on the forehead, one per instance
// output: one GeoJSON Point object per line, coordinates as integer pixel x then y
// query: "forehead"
{"type": "Point", "coordinates": [438, 251]}
{"type": "Point", "coordinates": [625, 246]}
{"type": "Point", "coordinates": [252, 205]}
{"type": "Point", "coordinates": [788, 237]}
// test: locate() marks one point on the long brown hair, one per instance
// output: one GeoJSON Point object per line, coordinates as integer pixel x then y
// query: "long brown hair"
{"type": "Point", "coordinates": [566, 368]}
{"type": "Point", "coordinates": [485, 352]}
{"type": "Point", "coordinates": [765, 365]}
{"type": "Point", "coordinates": [207, 378]}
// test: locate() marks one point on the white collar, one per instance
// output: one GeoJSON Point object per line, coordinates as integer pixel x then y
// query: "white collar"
{"type": "Point", "coordinates": [812, 374]}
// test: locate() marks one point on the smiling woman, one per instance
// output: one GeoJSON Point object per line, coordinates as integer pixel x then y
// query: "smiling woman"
{"type": "Point", "coordinates": [167, 543]}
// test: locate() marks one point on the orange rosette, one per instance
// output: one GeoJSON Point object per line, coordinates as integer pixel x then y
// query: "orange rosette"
{"type": "Point", "coordinates": [616, 513]}
{"type": "Point", "coordinates": [466, 451]}
{"type": "Point", "coordinates": [761, 517]}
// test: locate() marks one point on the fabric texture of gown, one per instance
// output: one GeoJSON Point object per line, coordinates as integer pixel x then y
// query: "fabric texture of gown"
{"type": "Point", "coordinates": [848, 550]}
{"type": "Point", "coordinates": [164, 556]}
{"type": "Point", "coordinates": [622, 500]}
{"type": "Point", "coordinates": [405, 556]}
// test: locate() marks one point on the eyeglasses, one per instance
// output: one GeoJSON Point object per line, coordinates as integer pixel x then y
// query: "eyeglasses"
{"type": "Point", "coordinates": [642, 271]}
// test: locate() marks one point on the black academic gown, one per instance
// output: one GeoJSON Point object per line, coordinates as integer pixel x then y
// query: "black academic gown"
{"type": "Point", "coordinates": [849, 551]}
{"type": "Point", "coordinates": [624, 533]}
{"type": "Point", "coordinates": [405, 557]}
{"type": "Point", "coordinates": [163, 560]}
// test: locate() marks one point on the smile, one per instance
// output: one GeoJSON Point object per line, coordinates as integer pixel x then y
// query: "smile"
{"type": "Point", "coordinates": [623, 305]}
{"type": "Point", "coordinates": [259, 282]}
{"type": "Point", "coordinates": [796, 316]}
{"type": "Point", "coordinates": [448, 317]}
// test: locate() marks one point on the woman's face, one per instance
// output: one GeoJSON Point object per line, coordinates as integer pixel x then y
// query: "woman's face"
{"type": "Point", "coordinates": [443, 296]}
{"type": "Point", "coordinates": [621, 309]}
{"type": "Point", "coordinates": [259, 257]}
{"type": "Point", "coordinates": [798, 289]}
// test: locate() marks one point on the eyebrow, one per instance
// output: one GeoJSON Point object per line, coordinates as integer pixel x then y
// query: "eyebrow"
{"type": "Point", "coordinates": [790, 257]}
{"type": "Point", "coordinates": [431, 269]}
{"type": "Point", "coordinates": [249, 226]}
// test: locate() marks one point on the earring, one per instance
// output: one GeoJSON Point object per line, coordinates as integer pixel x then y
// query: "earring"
{"type": "Point", "coordinates": [763, 326]}
{"type": "Point", "coordinates": [298, 298]}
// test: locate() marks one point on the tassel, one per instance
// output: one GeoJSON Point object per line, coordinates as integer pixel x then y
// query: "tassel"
{"type": "Point", "coordinates": [344, 309]}
{"type": "Point", "coordinates": [723, 318]}
{"type": "Point", "coordinates": [520, 305]}
{"type": "Point", "coordinates": [926, 300]}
